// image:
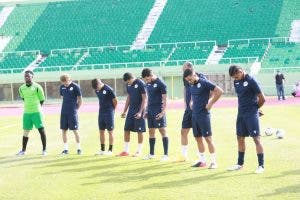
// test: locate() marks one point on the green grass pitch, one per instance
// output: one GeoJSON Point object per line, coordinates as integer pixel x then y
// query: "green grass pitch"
{"type": "Point", "coordinates": [94, 177]}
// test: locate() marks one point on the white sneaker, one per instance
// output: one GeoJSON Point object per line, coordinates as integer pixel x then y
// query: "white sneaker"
{"type": "Point", "coordinates": [259, 170]}
{"type": "Point", "coordinates": [164, 158]}
{"type": "Point", "coordinates": [100, 153]}
{"type": "Point", "coordinates": [108, 153]}
{"type": "Point", "coordinates": [20, 153]}
{"type": "Point", "coordinates": [213, 166]}
{"type": "Point", "coordinates": [148, 157]}
{"type": "Point", "coordinates": [137, 154]}
{"type": "Point", "coordinates": [235, 168]}
{"type": "Point", "coordinates": [44, 153]}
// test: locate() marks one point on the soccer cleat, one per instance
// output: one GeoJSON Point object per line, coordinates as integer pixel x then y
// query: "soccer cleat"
{"type": "Point", "coordinates": [235, 167]}
{"type": "Point", "coordinates": [259, 170]}
{"type": "Point", "coordinates": [199, 164]}
{"type": "Point", "coordinates": [79, 151]}
{"type": "Point", "coordinates": [100, 153]}
{"type": "Point", "coordinates": [44, 153]}
{"type": "Point", "coordinates": [213, 166]}
{"type": "Point", "coordinates": [164, 158]}
{"type": "Point", "coordinates": [148, 157]}
{"type": "Point", "coordinates": [123, 154]}
{"type": "Point", "coordinates": [136, 154]}
{"type": "Point", "coordinates": [64, 152]}
{"type": "Point", "coordinates": [108, 153]}
{"type": "Point", "coordinates": [20, 153]}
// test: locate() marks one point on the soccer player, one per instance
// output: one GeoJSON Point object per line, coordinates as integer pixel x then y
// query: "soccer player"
{"type": "Point", "coordinates": [107, 106]}
{"type": "Point", "coordinates": [204, 95]}
{"type": "Point", "coordinates": [250, 99]}
{"type": "Point", "coordinates": [72, 99]}
{"type": "Point", "coordinates": [33, 97]}
{"type": "Point", "coordinates": [186, 124]}
{"type": "Point", "coordinates": [136, 102]}
{"type": "Point", "coordinates": [156, 111]}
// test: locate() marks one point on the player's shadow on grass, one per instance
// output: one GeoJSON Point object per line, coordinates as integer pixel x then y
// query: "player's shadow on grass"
{"type": "Point", "coordinates": [45, 160]}
{"type": "Point", "coordinates": [286, 173]}
{"type": "Point", "coordinates": [295, 189]}
{"type": "Point", "coordinates": [18, 159]}
{"type": "Point", "coordinates": [110, 163]}
{"type": "Point", "coordinates": [189, 181]}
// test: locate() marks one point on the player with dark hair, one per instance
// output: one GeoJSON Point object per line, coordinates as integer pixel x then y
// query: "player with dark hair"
{"type": "Point", "coordinates": [186, 124]}
{"type": "Point", "coordinates": [72, 99]}
{"type": "Point", "coordinates": [107, 106]}
{"type": "Point", "coordinates": [136, 102]}
{"type": "Point", "coordinates": [33, 96]}
{"type": "Point", "coordinates": [204, 95]}
{"type": "Point", "coordinates": [250, 99]}
{"type": "Point", "coordinates": [156, 111]}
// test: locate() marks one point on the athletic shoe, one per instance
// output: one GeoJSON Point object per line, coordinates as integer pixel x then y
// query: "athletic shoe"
{"type": "Point", "coordinates": [65, 152]}
{"type": "Point", "coordinates": [44, 153]}
{"type": "Point", "coordinates": [100, 153]}
{"type": "Point", "coordinates": [164, 158]}
{"type": "Point", "coordinates": [108, 153]}
{"type": "Point", "coordinates": [181, 159]}
{"type": "Point", "coordinates": [235, 167]}
{"type": "Point", "coordinates": [259, 170]}
{"type": "Point", "coordinates": [199, 164]}
{"type": "Point", "coordinates": [148, 157]}
{"type": "Point", "coordinates": [123, 154]}
{"type": "Point", "coordinates": [20, 153]}
{"type": "Point", "coordinates": [79, 151]}
{"type": "Point", "coordinates": [136, 154]}
{"type": "Point", "coordinates": [213, 166]}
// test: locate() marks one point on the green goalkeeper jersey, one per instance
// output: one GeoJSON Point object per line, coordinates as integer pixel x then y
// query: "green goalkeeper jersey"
{"type": "Point", "coordinates": [32, 96]}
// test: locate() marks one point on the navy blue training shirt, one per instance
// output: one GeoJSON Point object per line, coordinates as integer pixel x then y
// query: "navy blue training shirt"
{"type": "Point", "coordinates": [135, 91]}
{"type": "Point", "coordinates": [105, 96]}
{"type": "Point", "coordinates": [155, 91]}
{"type": "Point", "coordinates": [247, 90]}
{"type": "Point", "coordinates": [200, 91]}
{"type": "Point", "coordinates": [188, 92]}
{"type": "Point", "coordinates": [69, 94]}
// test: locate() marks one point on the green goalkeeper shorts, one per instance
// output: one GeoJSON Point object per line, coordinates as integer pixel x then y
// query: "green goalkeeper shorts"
{"type": "Point", "coordinates": [30, 119]}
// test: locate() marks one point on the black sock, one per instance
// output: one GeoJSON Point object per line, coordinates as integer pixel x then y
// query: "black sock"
{"type": "Point", "coordinates": [24, 143]}
{"type": "Point", "coordinates": [152, 144]}
{"type": "Point", "coordinates": [260, 158]}
{"type": "Point", "coordinates": [165, 144]}
{"type": "Point", "coordinates": [43, 137]}
{"type": "Point", "coordinates": [241, 158]}
{"type": "Point", "coordinates": [102, 147]}
{"type": "Point", "coordinates": [110, 147]}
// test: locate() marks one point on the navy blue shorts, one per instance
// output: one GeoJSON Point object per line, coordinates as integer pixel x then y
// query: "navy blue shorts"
{"type": "Point", "coordinates": [187, 119]}
{"type": "Point", "coordinates": [201, 125]}
{"type": "Point", "coordinates": [135, 125]}
{"type": "Point", "coordinates": [247, 125]}
{"type": "Point", "coordinates": [152, 122]}
{"type": "Point", "coordinates": [106, 121]}
{"type": "Point", "coordinates": [68, 121]}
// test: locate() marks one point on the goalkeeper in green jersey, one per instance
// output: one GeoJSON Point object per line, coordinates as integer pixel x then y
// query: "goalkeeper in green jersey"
{"type": "Point", "coordinates": [33, 97]}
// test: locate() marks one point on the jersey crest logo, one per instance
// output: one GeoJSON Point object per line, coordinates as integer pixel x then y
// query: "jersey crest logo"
{"type": "Point", "coordinates": [104, 91]}
{"type": "Point", "coordinates": [198, 85]}
{"type": "Point", "coordinates": [155, 85]}
{"type": "Point", "coordinates": [136, 86]}
{"type": "Point", "coordinates": [71, 88]}
{"type": "Point", "coordinates": [245, 84]}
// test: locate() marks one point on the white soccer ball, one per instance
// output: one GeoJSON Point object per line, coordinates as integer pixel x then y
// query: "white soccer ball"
{"type": "Point", "coordinates": [280, 133]}
{"type": "Point", "coordinates": [269, 131]}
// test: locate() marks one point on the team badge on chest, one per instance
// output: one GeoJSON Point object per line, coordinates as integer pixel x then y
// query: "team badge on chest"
{"type": "Point", "coordinates": [245, 84]}
{"type": "Point", "coordinates": [71, 88]}
{"type": "Point", "coordinates": [136, 86]}
{"type": "Point", "coordinates": [104, 91]}
{"type": "Point", "coordinates": [198, 85]}
{"type": "Point", "coordinates": [154, 85]}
